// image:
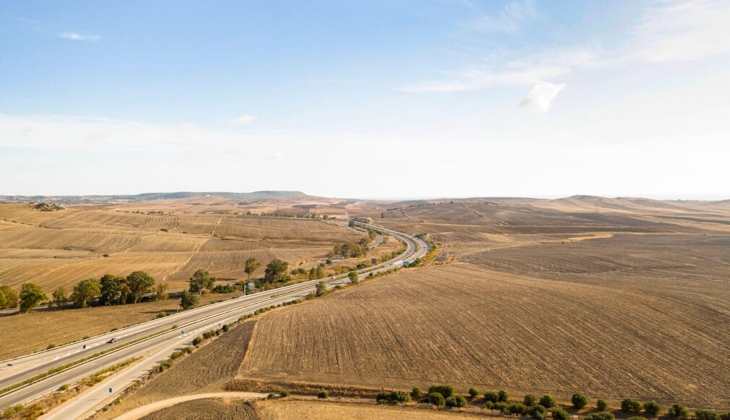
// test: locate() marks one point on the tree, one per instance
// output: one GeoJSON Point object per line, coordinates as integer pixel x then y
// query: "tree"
{"type": "Point", "coordinates": [537, 412]}
{"type": "Point", "coordinates": [473, 392]}
{"type": "Point", "coordinates": [251, 265]}
{"type": "Point", "coordinates": [200, 281]}
{"type": "Point", "coordinates": [600, 416]}
{"type": "Point", "coordinates": [630, 405]}
{"type": "Point", "coordinates": [353, 276]}
{"type": "Point", "coordinates": [161, 292]}
{"type": "Point", "coordinates": [456, 401]}
{"type": "Point", "coordinates": [445, 390]}
{"type": "Point", "coordinates": [560, 414]}
{"type": "Point", "coordinates": [2, 300]}
{"type": "Point", "coordinates": [275, 270]}
{"type": "Point", "coordinates": [530, 400]}
{"type": "Point", "coordinates": [706, 415]}
{"type": "Point", "coordinates": [436, 399]}
{"type": "Point", "coordinates": [312, 273]}
{"type": "Point", "coordinates": [139, 284]}
{"type": "Point", "coordinates": [114, 290]}
{"type": "Point", "coordinates": [579, 400]}
{"type": "Point", "coordinates": [30, 296]}
{"type": "Point", "coordinates": [491, 396]}
{"type": "Point", "coordinates": [601, 405]}
{"type": "Point", "coordinates": [10, 298]}
{"type": "Point", "coordinates": [85, 291]}
{"type": "Point", "coordinates": [652, 408]}
{"type": "Point", "coordinates": [320, 272]}
{"type": "Point", "coordinates": [59, 297]}
{"type": "Point", "coordinates": [519, 409]}
{"type": "Point", "coordinates": [322, 395]}
{"type": "Point", "coordinates": [503, 396]}
{"type": "Point", "coordinates": [189, 299]}
{"type": "Point", "coordinates": [321, 288]}
{"type": "Point", "coordinates": [547, 401]}
{"type": "Point", "coordinates": [678, 410]}
{"type": "Point", "coordinates": [416, 392]}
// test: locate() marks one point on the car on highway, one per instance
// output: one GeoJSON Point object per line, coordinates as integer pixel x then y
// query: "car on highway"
{"type": "Point", "coordinates": [112, 340]}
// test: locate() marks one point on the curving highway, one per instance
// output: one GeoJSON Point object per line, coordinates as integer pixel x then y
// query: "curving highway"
{"type": "Point", "coordinates": [153, 341]}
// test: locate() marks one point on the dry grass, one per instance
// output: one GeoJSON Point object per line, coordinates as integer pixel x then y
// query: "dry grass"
{"type": "Point", "coordinates": [212, 409]}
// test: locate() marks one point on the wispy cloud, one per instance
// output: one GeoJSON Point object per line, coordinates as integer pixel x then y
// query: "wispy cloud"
{"type": "Point", "coordinates": [478, 78]}
{"type": "Point", "coordinates": [73, 36]}
{"type": "Point", "coordinates": [541, 96]}
{"type": "Point", "coordinates": [245, 119]}
{"type": "Point", "coordinates": [509, 19]}
{"type": "Point", "coordinates": [275, 156]}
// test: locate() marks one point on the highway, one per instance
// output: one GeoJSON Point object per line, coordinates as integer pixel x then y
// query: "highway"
{"type": "Point", "coordinates": [153, 341]}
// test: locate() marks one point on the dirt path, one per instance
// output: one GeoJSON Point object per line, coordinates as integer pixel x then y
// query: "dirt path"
{"type": "Point", "coordinates": [140, 412]}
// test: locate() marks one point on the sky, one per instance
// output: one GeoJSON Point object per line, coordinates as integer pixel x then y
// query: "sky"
{"type": "Point", "coordinates": [369, 99]}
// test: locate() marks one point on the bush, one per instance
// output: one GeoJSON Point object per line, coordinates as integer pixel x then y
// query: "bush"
{"type": "Point", "coordinates": [456, 401]}
{"type": "Point", "coordinates": [706, 415]}
{"type": "Point", "coordinates": [284, 394]}
{"type": "Point", "coordinates": [547, 401]}
{"type": "Point", "coordinates": [491, 396]}
{"type": "Point", "coordinates": [436, 398]}
{"type": "Point", "coordinates": [501, 407]}
{"type": "Point", "coordinates": [50, 346]}
{"type": "Point", "coordinates": [529, 400]}
{"type": "Point", "coordinates": [652, 408]}
{"type": "Point", "coordinates": [225, 328]}
{"type": "Point", "coordinates": [520, 409]}
{"type": "Point", "coordinates": [725, 416]}
{"type": "Point", "coordinates": [445, 390]}
{"type": "Point", "coordinates": [579, 400]}
{"type": "Point", "coordinates": [560, 414]}
{"type": "Point", "coordinates": [162, 314]}
{"type": "Point", "coordinates": [638, 418]}
{"type": "Point", "coordinates": [416, 392]}
{"type": "Point", "coordinates": [678, 410]}
{"type": "Point", "coordinates": [503, 396]}
{"type": "Point", "coordinates": [473, 392]}
{"type": "Point", "coordinates": [489, 405]}
{"type": "Point", "coordinates": [197, 340]}
{"type": "Point", "coordinates": [601, 405]}
{"type": "Point", "coordinates": [323, 395]}
{"type": "Point", "coordinates": [537, 412]}
{"type": "Point", "coordinates": [600, 416]}
{"type": "Point", "coordinates": [630, 405]}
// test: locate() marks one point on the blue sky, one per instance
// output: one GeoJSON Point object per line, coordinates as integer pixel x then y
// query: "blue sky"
{"type": "Point", "coordinates": [440, 98]}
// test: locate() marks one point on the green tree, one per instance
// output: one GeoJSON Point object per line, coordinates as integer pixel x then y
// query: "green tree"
{"type": "Point", "coordinates": [353, 276]}
{"type": "Point", "coordinates": [251, 265]}
{"type": "Point", "coordinates": [85, 291]}
{"type": "Point", "coordinates": [456, 401]}
{"type": "Point", "coordinates": [2, 301]}
{"type": "Point", "coordinates": [579, 400]}
{"type": "Point", "coordinates": [321, 288]}
{"type": "Point", "coordinates": [630, 405]}
{"type": "Point", "coordinates": [436, 399]}
{"type": "Point", "coordinates": [560, 414]}
{"type": "Point", "coordinates": [161, 292]}
{"type": "Point", "coordinates": [320, 272]}
{"type": "Point", "coordinates": [503, 396]}
{"type": "Point", "coordinates": [600, 416]}
{"type": "Point", "coordinates": [30, 296]}
{"type": "Point", "coordinates": [547, 401]}
{"type": "Point", "coordinates": [275, 270]}
{"type": "Point", "coordinates": [59, 297]}
{"type": "Point", "coordinates": [322, 395]}
{"type": "Point", "coordinates": [189, 299]}
{"type": "Point", "coordinates": [114, 290]}
{"type": "Point", "coordinates": [312, 273]}
{"type": "Point", "coordinates": [652, 408]}
{"type": "Point", "coordinates": [519, 409]}
{"type": "Point", "coordinates": [139, 284]}
{"type": "Point", "coordinates": [706, 415]}
{"type": "Point", "coordinates": [201, 280]}
{"type": "Point", "coordinates": [530, 400]}
{"type": "Point", "coordinates": [678, 410]}
{"type": "Point", "coordinates": [445, 390]}
{"type": "Point", "coordinates": [10, 298]}
{"type": "Point", "coordinates": [473, 392]}
{"type": "Point", "coordinates": [601, 405]}
{"type": "Point", "coordinates": [537, 412]}
{"type": "Point", "coordinates": [491, 396]}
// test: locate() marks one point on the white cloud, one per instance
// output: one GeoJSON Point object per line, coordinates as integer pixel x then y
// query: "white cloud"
{"type": "Point", "coordinates": [683, 30]}
{"type": "Point", "coordinates": [245, 119]}
{"type": "Point", "coordinates": [475, 79]}
{"type": "Point", "coordinates": [275, 156]}
{"type": "Point", "coordinates": [541, 96]}
{"type": "Point", "coordinates": [79, 37]}
{"type": "Point", "coordinates": [511, 18]}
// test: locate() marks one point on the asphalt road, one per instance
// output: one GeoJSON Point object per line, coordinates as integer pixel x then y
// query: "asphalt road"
{"type": "Point", "coordinates": [167, 335]}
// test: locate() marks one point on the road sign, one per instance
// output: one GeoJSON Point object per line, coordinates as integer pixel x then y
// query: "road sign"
{"type": "Point", "coordinates": [110, 390]}
{"type": "Point", "coordinates": [405, 263]}
{"type": "Point", "coordinates": [251, 286]}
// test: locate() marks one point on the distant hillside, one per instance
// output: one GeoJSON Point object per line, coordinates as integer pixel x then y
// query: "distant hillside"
{"type": "Point", "coordinates": [98, 199]}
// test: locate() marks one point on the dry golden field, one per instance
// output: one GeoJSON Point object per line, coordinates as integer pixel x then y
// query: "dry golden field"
{"type": "Point", "coordinates": [207, 409]}
{"type": "Point", "coordinates": [168, 239]}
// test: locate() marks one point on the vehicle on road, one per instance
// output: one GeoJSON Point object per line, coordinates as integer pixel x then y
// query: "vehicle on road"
{"type": "Point", "coordinates": [112, 340]}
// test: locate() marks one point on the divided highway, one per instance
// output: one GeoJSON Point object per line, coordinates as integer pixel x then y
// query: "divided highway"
{"type": "Point", "coordinates": [153, 341]}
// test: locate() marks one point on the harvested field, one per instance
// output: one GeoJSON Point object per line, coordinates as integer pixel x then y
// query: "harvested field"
{"type": "Point", "coordinates": [212, 409]}
{"type": "Point", "coordinates": [463, 325]}
{"type": "Point", "coordinates": [206, 370]}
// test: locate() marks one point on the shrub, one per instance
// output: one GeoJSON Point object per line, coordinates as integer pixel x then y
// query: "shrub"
{"type": "Point", "coordinates": [601, 405]}
{"type": "Point", "coordinates": [501, 407]}
{"type": "Point", "coordinates": [382, 397]}
{"type": "Point", "coordinates": [445, 390]}
{"type": "Point", "coordinates": [520, 409]}
{"type": "Point", "coordinates": [630, 405]}
{"type": "Point", "coordinates": [473, 392]}
{"type": "Point", "coordinates": [197, 340]}
{"type": "Point", "coordinates": [491, 396]}
{"type": "Point", "coordinates": [725, 416]}
{"type": "Point", "coordinates": [579, 400]}
{"type": "Point", "coordinates": [678, 410]}
{"type": "Point", "coordinates": [652, 408]}
{"type": "Point", "coordinates": [489, 405]}
{"type": "Point", "coordinates": [162, 314]}
{"type": "Point", "coordinates": [600, 416]}
{"type": "Point", "coordinates": [503, 396]}
{"type": "Point", "coordinates": [323, 395]}
{"type": "Point", "coordinates": [547, 401]}
{"type": "Point", "coordinates": [416, 392]}
{"type": "Point", "coordinates": [537, 412]}
{"type": "Point", "coordinates": [436, 398]}
{"type": "Point", "coordinates": [284, 394]}
{"type": "Point", "coordinates": [560, 414]}
{"type": "Point", "coordinates": [638, 418]}
{"type": "Point", "coordinates": [529, 400]}
{"type": "Point", "coordinates": [225, 328]}
{"type": "Point", "coordinates": [706, 415]}
{"type": "Point", "coordinates": [50, 346]}
{"type": "Point", "coordinates": [456, 401]}
{"type": "Point", "coordinates": [399, 397]}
